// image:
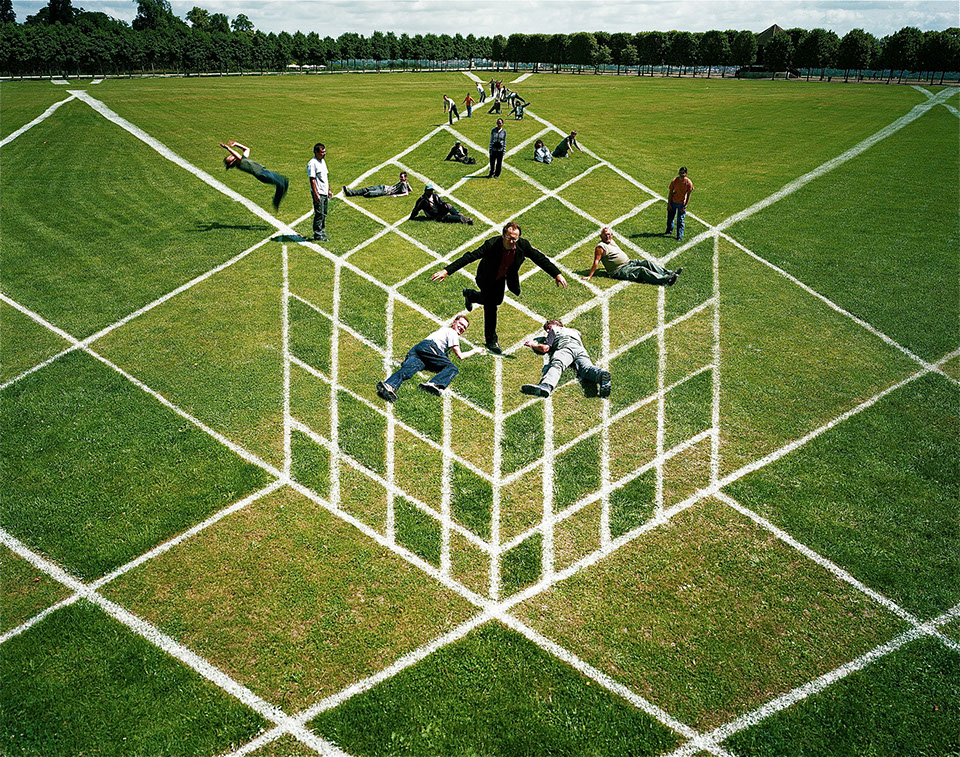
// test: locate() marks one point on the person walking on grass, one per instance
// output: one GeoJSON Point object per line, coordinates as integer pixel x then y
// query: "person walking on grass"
{"type": "Point", "coordinates": [678, 195]}
{"type": "Point", "coordinates": [482, 92]}
{"type": "Point", "coordinates": [320, 191]}
{"type": "Point", "coordinates": [619, 266]}
{"type": "Point", "coordinates": [499, 269]}
{"type": "Point", "coordinates": [564, 346]}
{"type": "Point", "coordinates": [239, 157]}
{"type": "Point", "coordinates": [431, 354]}
{"type": "Point", "coordinates": [469, 101]}
{"type": "Point", "coordinates": [400, 189]}
{"type": "Point", "coordinates": [449, 106]}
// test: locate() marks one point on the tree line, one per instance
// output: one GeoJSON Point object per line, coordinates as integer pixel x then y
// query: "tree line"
{"type": "Point", "coordinates": [67, 41]}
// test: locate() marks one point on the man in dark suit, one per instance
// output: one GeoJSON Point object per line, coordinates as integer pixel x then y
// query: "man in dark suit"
{"type": "Point", "coordinates": [500, 260]}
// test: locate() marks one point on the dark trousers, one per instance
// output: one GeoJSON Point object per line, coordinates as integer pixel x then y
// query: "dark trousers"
{"type": "Point", "coordinates": [320, 216]}
{"type": "Point", "coordinates": [496, 162]}
{"type": "Point", "coordinates": [491, 297]}
{"type": "Point", "coordinates": [425, 355]}
{"type": "Point", "coordinates": [454, 112]}
{"type": "Point", "coordinates": [279, 181]}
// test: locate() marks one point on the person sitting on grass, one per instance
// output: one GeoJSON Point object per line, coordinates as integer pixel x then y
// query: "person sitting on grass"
{"type": "Point", "coordinates": [400, 189]}
{"type": "Point", "coordinates": [619, 266]}
{"type": "Point", "coordinates": [541, 154]}
{"type": "Point", "coordinates": [565, 347]}
{"type": "Point", "coordinates": [459, 154]}
{"type": "Point", "coordinates": [435, 209]}
{"type": "Point", "coordinates": [568, 144]}
{"type": "Point", "coordinates": [431, 354]}
{"type": "Point", "coordinates": [242, 161]}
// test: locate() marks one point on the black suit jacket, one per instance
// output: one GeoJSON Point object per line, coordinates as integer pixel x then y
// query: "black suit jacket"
{"type": "Point", "coordinates": [490, 254]}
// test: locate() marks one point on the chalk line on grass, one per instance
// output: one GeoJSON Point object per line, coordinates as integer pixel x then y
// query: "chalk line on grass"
{"type": "Point", "coordinates": [498, 413]}
{"type": "Point", "coordinates": [39, 119]}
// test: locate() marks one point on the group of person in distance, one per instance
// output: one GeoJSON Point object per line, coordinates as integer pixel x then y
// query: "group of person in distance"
{"type": "Point", "coordinates": [500, 259]}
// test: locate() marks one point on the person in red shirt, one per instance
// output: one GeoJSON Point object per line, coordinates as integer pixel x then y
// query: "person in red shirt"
{"type": "Point", "coordinates": [677, 198]}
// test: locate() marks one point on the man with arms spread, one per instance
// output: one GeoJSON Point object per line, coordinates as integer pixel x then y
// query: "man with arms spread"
{"type": "Point", "coordinates": [498, 147]}
{"type": "Point", "coordinates": [619, 266]}
{"type": "Point", "coordinates": [400, 189]}
{"type": "Point", "coordinates": [565, 347]}
{"type": "Point", "coordinates": [320, 190]}
{"type": "Point", "coordinates": [431, 354]}
{"type": "Point", "coordinates": [677, 198]}
{"type": "Point", "coordinates": [499, 269]}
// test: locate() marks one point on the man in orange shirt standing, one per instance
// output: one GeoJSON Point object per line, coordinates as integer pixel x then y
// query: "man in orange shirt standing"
{"type": "Point", "coordinates": [677, 198]}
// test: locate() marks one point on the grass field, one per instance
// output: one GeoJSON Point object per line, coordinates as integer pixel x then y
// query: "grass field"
{"type": "Point", "coordinates": [217, 539]}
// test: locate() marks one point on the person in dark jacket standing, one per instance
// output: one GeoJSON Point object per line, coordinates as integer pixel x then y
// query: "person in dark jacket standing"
{"type": "Point", "coordinates": [499, 269]}
{"type": "Point", "coordinates": [498, 148]}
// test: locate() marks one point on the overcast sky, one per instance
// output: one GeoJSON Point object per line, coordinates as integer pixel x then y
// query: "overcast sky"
{"type": "Point", "coordinates": [489, 17]}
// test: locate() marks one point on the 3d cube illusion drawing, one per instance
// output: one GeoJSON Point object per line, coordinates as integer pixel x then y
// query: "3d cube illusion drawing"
{"type": "Point", "coordinates": [486, 487]}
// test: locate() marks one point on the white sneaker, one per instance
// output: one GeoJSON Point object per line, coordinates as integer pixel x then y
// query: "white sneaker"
{"type": "Point", "coordinates": [431, 388]}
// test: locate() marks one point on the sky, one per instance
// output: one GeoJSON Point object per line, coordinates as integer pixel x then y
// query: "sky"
{"type": "Point", "coordinates": [489, 17]}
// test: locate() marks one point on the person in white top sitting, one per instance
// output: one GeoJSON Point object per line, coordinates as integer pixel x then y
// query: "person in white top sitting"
{"type": "Point", "coordinates": [431, 354]}
{"type": "Point", "coordinates": [619, 266]}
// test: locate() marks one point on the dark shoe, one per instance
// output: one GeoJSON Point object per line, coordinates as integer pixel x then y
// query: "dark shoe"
{"type": "Point", "coordinates": [431, 388]}
{"type": "Point", "coordinates": [467, 302]}
{"type": "Point", "coordinates": [384, 391]}
{"type": "Point", "coordinates": [494, 348]}
{"type": "Point", "coordinates": [675, 276]}
{"type": "Point", "coordinates": [604, 385]}
{"type": "Point", "coordinates": [536, 390]}
{"type": "Point", "coordinates": [468, 221]}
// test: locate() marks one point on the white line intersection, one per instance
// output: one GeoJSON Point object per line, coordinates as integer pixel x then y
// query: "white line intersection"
{"type": "Point", "coordinates": [295, 725]}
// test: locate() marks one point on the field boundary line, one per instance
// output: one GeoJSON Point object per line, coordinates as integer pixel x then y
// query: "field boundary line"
{"type": "Point", "coordinates": [823, 562]}
{"type": "Point", "coordinates": [842, 311]}
{"type": "Point", "coordinates": [39, 119]}
{"type": "Point", "coordinates": [791, 187]}
{"type": "Point", "coordinates": [827, 679]}
{"type": "Point", "coordinates": [605, 681]}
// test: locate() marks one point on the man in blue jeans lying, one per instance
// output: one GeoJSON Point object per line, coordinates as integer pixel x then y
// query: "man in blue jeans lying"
{"type": "Point", "coordinates": [431, 354]}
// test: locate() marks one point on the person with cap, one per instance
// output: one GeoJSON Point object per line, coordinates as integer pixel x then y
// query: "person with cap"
{"type": "Point", "coordinates": [565, 349]}
{"type": "Point", "coordinates": [436, 209]}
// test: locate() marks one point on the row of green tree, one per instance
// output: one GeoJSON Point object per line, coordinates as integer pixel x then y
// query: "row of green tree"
{"type": "Point", "coordinates": [63, 40]}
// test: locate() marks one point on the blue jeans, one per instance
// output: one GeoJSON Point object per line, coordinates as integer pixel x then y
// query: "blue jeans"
{"type": "Point", "coordinates": [675, 208]}
{"type": "Point", "coordinates": [426, 354]}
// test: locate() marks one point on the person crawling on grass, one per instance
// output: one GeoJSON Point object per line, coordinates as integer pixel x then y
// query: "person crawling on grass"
{"type": "Point", "coordinates": [400, 189]}
{"type": "Point", "coordinates": [436, 209]}
{"type": "Point", "coordinates": [431, 354]}
{"type": "Point", "coordinates": [619, 266]}
{"type": "Point", "coordinates": [242, 161]}
{"type": "Point", "coordinates": [567, 146]}
{"type": "Point", "coordinates": [564, 346]}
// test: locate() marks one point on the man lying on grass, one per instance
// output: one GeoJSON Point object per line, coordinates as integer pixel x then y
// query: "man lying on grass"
{"type": "Point", "coordinates": [565, 347]}
{"type": "Point", "coordinates": [431, 354]}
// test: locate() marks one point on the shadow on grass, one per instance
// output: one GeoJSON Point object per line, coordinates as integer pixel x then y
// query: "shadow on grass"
{"type": "Point", "coordinates": [217, 226]}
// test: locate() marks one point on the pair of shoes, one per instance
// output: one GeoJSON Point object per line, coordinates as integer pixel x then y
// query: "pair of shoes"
{"type": "Point", "coordinates": [385, 391]}
{"type": "Point", "coordinates": [536, 390]}
{"type": "Point", "coordinates": [468, 221]}
{"type": "Point", "coordinates": [431, 388]}
{"type": "Point", "coordinates": [494, 348]}
{"type": "Point", "coordinates": [321, 238]}
{"type": "Point", "coordinates": [675, 276]}
{"type": "Point", "coordinates": [467, 302]}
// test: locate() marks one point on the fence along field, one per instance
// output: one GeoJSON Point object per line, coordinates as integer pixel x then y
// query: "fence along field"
{"type": "Point", "coordinates": [631, 574]}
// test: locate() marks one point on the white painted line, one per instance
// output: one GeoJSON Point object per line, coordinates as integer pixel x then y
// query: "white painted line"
{"type": "Point", "coordinates": [39, 119]}
{"type": "Point", "coordinates": [525, 76]}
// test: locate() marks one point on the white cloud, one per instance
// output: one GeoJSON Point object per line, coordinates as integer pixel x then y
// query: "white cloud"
{"type": "Point", "coordinates": [489, 17]}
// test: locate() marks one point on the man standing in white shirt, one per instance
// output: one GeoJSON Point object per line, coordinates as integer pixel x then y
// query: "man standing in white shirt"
{"type": "Point", "coordinates": [320, 189]}
{"type": "Point", "coordinates": [431, 354]}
